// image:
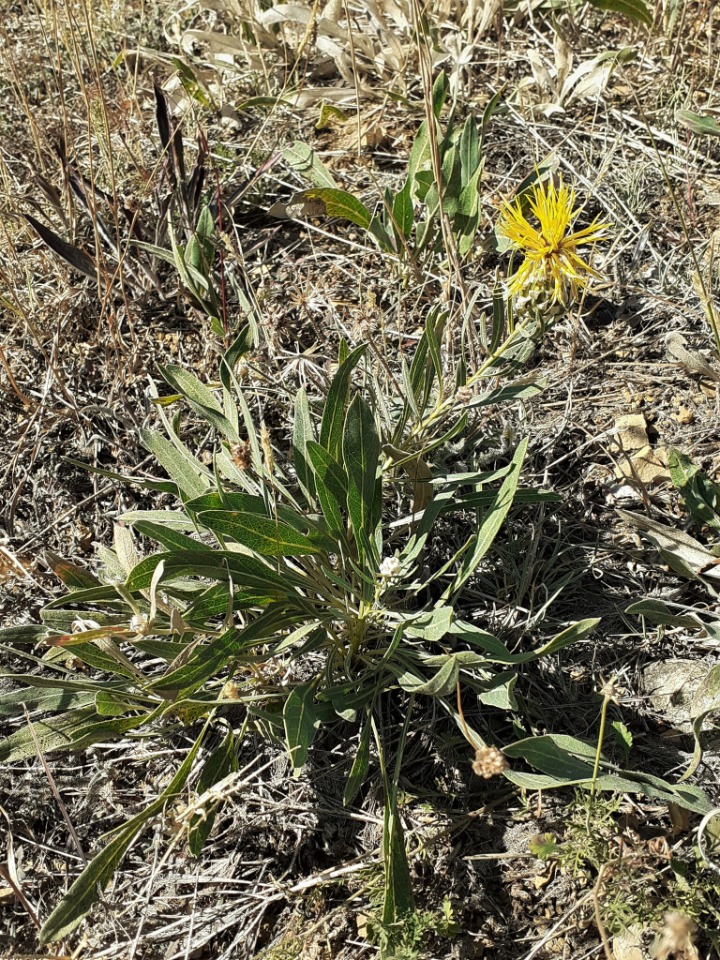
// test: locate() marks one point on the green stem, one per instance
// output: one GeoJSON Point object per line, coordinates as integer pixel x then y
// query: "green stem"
{"type": "Point", "coordinates": [607, 697]}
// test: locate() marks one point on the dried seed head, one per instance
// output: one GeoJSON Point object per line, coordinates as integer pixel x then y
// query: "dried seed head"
{"type": "Point", "coordinates": [231, 691]}
{"type": "Point", "coordinates": [675, 940]}
{"type": "Point", "coordinates": [267, 448]}
{"type": "Point", "coordinates": [612, 690]}
{"type": "Point", "coordinates": [140, 624]}
{"type": "Point", "coordinates": [241, 455]}
{"type": "Point", "coordinates": [464, 394]}
{"type": "Point", "coordinates": [489, 762]}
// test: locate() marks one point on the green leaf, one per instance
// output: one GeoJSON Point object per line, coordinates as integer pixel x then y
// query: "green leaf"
{"type": "Point", "coordinates": [439, 92]}
{"type": "Point", "coordinates": [633, 781]}
{"type": "Point", "coordinates": [566, 760]}
{"type": "Point", "coordinates": [700, 493]}
{"type": "Point", "coordinates": [306, 162]}
{"type": "Point", "coordinates": [210, 658]}
{"type": "Point", "coordinates": [467, 219]}
{"type": "Point", "coordinates": [492, 522]}
{"type": "Point", "coordinates": [340, 203]}
{"type": "Point", "coordinates": [330, 483]}
{"type": "Point", "coordinates": [167, 519]}
{"type": "Point", "coordinates": [187, 384]}
{"type": "Point", "coordinates": [512, 392]}
{"type": "Point", "coordinates": [204, 235]}
{"type": "Point", "coordinates": [403, 214]}
{"type": "Point", "coordinates": [398, 901]}
{"type": "Point", "coordinates": [300, 723]}
{"type": "Point", "coordinates": [109, 703]}
{"type": "Point", "coordinates": [361, 456]}
{"type": "Point", "coordinates": [27, 633]}
{"type": "Point", "coordinates": [635, 9]}
{"type": "Point", "coordinates": [440, 685]}
{"type": "Point", "coordinates": [244, 571]}
{"type": "Point", "coordinates": [48, 701]}
{"type": "Point", "coordinates": [242, 344]}
{"type": "Point", "coordinates": [331, 428]}
{"type": "Point", "coordinates": [500, 692]}
{"type": "Point", "coordinates": [97, 874]}
{"type": "Point", "coordinates": [573, 633]}
{"type": "Point", "coordinates": [659, 612]}
{"type": "Point", "coordinates": [218, 765]}
{"type": "Point", "coordinates": [496, 652]}
{"type": "Point", "coordinates": [469, 151]}
{"type": "Point", "coordinates": [73, 730]}
{"type": "Point", "coordinates": [430, 626]}
{"type": "Point", "coordinates": [182, 468]}
{"type": "Point", "coordinates": [705, 702]}
{"type": "Point", "coordinates": [702, 125]}
{"type": "Point", "coordinates": [419, 153]}
{"type": "Point", "coordinates": [489, 112]}
{"type": "Point", "coordinates": [302, 433]}
{"type": "Point", "coordinates": [263, 535]}
{"type": "Point", "coordinates": [359, 768]}
{"type": "Point", "coordinates": [172, 539]}
{"type": "Point", "coordinates": [544, 846]}
{"type": "Point", "coordinates": [200, 398]}
{"type": "Point", "coordinates": [623, 736]}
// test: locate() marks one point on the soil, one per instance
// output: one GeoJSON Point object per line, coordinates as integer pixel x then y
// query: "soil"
{"type": "Point", "coordinates": [288, 870]}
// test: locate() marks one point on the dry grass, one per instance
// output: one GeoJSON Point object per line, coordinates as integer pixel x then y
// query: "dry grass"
{"type": "Point", "coordinates": [290, 872]}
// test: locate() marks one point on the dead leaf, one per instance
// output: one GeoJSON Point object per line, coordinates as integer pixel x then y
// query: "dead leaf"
{"type": "Point", "coordinates": [344, 136]}
{"type": "Point", "coordinates": [628, 945]}
{"type": "Point", "coordinates": [678, 549]}
{"type": "Point", "coordinates": [680, 819]}
{"type": "Point", "coordinates": [563, 60]}
{"type": "Point", "coordinates": [694, 362]}
{"type": "Point", "coordinates": [299, 207]}
{"type": "Point", "coordinates": [647, 466]}
{"type": "Point", "coordinates": [684, 415]}
{"type": "Point", "coordinates": [638, 461]}
{"type": "Point", "coordinates": [631, 432]}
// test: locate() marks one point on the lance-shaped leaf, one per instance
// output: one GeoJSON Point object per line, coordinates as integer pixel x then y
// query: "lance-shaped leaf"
{"type": "Point", "coordinates": [262, 535]}
{"type": "Point", "coordinates": [302, 433]}
{"type": "Point", "coordinates": [492, 522]}
{"type": "Point", "coordinates": [77, 258]}
{"type": "Point", "coordinates": [331, 428]}
{"type": "Point", "coordinates": [340, 203]}
{"type": "Point", "coordinates": [98, 873]}
{"type": "Point", "coordinates": [300, 721]}
{"type": "Point", "coordinates": [361, 456]}
{"type": "Point", "coordinates": [635, 9]}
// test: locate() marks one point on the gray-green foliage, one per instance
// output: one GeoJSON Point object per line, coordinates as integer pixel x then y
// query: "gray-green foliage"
{"type": "Point", "coordinates": [292, 589]}
{"type": "Point", "coordinates": [695, 560]}
{"type": "Point", "coordinates": [408, 222]}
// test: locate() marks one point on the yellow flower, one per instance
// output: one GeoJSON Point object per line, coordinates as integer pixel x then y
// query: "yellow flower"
{"type": "Point", "coordinates": [551, 258]}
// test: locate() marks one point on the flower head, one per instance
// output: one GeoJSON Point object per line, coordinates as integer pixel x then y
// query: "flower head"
{"type": "Point", "coordinates": [389, 568]}
{"type": "Point", "coordinates": [550, 248]}
{"type": "Point", "coordinates": [489, 762]}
